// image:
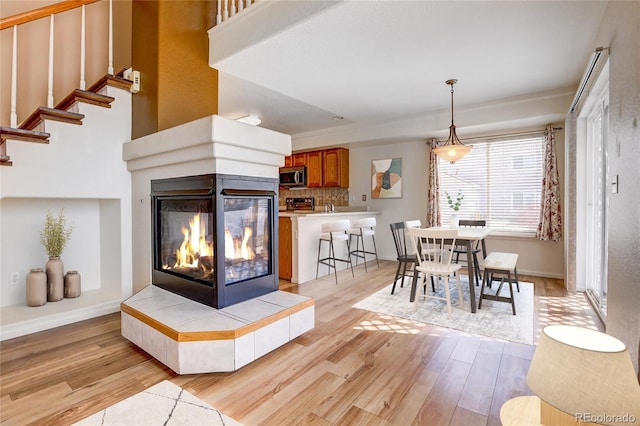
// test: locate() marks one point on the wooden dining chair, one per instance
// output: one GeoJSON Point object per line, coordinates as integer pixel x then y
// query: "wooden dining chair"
{"type": "Point", "coordinates": [406, 261]}
{"type": "Point", "coordinates": [436, 260]}
{"type": "Point", "coordinates": [417, 223]}
{"type": "Point", "coordinates": [461, 249]}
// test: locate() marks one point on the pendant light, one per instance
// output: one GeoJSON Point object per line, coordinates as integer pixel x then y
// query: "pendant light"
{"type": "Point", "coordinates": [453, 150]}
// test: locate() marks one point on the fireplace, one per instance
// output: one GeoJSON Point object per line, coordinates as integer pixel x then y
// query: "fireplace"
{"type": "Point", "coordinates": [215, 237]}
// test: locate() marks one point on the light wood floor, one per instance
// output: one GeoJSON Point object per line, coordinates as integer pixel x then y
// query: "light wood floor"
{"type": "Point", "coordinates": [352, 368]}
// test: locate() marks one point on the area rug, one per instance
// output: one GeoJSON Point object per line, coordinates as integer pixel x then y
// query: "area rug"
{"type": "Point", "coordinates": [495, 319]}
{"type": "Point", "coordinates": [162, 404]}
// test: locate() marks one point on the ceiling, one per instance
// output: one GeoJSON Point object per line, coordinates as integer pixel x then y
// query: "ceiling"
{"type": "Point", "coordinates": [375, 62]}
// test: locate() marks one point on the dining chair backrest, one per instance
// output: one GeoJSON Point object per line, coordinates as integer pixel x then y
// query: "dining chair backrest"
{"type": "Point", "coordinates": [399, 238]}
{"type": "Point", "coordinates": [434, 245]}
{"type": "Point", "coordinates": [472, 223]}
{"type": "Point", "coordinates": [416, 223]}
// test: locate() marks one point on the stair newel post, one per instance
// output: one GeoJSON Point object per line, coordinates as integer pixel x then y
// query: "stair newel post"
{"type": "Point", "coordinates": [14, 74]}
{"type": "Point", "coordinates": [50, 80]}
{"type": "Point", "coordinates": [219, 15]}
{"type": "Point", "coordinates": [225, 15]}
{"type": "Point", "coordinates": [83, 83]}
{"type": "Point", "coordinates": [110, 69]}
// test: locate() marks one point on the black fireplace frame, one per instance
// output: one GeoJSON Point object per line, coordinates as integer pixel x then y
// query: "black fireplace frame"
{"type": "Point", "coordinates": [216, 186]}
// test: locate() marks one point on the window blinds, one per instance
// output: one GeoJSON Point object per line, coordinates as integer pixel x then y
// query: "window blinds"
{"type": "Point", "coordinates": [501, 183]}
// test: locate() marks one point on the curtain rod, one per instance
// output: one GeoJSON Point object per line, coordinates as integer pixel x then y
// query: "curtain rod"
{"type": "Point", "coordinates": [586, 76]}
{"type": "Point", "coordinates": [503, 135]}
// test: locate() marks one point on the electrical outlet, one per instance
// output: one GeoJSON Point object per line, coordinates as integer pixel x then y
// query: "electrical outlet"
{"type": "Point", "coordinates": [13, 279]}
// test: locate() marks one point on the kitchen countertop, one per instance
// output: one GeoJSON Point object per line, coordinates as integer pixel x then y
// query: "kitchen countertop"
{"type": "Point", "coordinates": [306, 227]}
{"type": "Point", "coordinates": [303, 213]}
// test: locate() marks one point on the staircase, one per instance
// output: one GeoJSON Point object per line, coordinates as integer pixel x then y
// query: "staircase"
{"type": "Point", "coordinates": [31, 129]}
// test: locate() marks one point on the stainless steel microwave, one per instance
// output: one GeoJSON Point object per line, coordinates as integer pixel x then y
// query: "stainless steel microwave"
{"type": "Point", "coordinates": [293, 176]}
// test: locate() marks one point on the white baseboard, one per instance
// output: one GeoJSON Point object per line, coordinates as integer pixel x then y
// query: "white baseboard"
{"type": "Point", "coordinates": [22, 328]}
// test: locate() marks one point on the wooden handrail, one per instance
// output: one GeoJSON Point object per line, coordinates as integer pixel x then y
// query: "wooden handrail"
{"type": "Point", "coordinates": [42, 12]}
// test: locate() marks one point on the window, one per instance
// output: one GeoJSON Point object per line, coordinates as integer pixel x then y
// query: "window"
{"type": "Point", "coordinates": [501, 183]}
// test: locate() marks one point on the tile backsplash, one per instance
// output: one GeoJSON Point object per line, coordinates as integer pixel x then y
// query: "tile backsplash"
{"type": "Point", "coordinates": [337, 196]}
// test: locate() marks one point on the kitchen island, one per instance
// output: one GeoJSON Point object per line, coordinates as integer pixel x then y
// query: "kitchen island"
{"type": "Point", "coordinates": [305, 232]}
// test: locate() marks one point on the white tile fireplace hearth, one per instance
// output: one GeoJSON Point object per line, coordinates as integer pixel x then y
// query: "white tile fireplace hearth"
{"type": "Point", "coordinates": [191, 338]}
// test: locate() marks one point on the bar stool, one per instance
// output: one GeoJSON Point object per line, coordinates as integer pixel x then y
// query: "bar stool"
{"type": "Point", "coordinates": [359, 229]}
{"type": "Point", "coordinates": [330, 232]}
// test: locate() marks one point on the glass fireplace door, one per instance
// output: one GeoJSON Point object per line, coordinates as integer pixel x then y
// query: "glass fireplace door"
{"type": "Point", "coordinates": [247, 238]}
{"type": "Point", "coordinates": [186, 236]}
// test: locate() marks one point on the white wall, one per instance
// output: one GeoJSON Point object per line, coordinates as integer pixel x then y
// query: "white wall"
{"type": "Point", "coordinates": [541, 258]}
{"type": "Point", "coordinates": [412, 205]}
{"type": "Point", "coordinates": [82, 171]}
{"type": "Point", "coordinates": [22, 220]}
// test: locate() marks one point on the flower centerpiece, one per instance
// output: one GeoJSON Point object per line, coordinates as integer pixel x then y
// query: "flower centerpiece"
{"type": "Point", "coordinates": [54, 237]}
{"type": "Point", "coordinates": [454, 204]}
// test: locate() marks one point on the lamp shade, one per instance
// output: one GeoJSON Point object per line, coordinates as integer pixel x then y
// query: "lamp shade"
{"type": "Point", "coordinates": [586, 374]}
{"type": "Point", "coordinates": [452, 153]}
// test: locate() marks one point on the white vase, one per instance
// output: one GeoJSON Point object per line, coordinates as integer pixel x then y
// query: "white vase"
{"type": "Point", "coordinates": [454, 221]}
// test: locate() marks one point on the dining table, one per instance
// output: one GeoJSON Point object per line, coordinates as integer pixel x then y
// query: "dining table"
{"type": "Point", "coordinates": [467, 236]}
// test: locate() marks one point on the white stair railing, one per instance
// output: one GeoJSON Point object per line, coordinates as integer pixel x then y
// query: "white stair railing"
{"type": "Point", "coordinates": [228, 9]}
{"type": "Point", "coordinates": [110, 67]}
{"type": "Point", "coordinates": [50, 75]}
{"type": "Point", "coordinates": [14, 74]}
{"type": "Point", "coordinates": [83, 83]}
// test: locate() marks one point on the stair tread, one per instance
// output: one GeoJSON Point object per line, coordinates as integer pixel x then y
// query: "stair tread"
{"type": "Point", "coordinates": [23, 135]}
{"type": "Point", "coordinates": [42, 113]}
{"type": "Point", "coordinates": [110, 80]}
{"type": "Point", "coordinates": [85, 96]}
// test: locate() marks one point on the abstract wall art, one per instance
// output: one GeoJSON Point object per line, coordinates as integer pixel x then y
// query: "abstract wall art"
{"type": "Point", "coordinates": [386, 178]}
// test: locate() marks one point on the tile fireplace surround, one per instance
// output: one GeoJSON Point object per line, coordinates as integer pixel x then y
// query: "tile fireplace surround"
{"type": "Point", "coordinates": [187, 336]}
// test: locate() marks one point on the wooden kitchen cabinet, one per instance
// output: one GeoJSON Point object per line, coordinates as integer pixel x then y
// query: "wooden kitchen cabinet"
{"type": "Point", "coordinates": [299, 159]}
{"type": "Point", "coordinates": [285, 249]}
{"type": "Point", "coordinates": [335, 168]}
{"type": "Point", "coordinates": [296, 159]}
{"type": "Point", "coordinates": [314, 169]}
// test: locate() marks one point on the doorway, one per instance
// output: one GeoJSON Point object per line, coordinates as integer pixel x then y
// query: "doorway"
{"type": "Point", "coordinates": [593, 185]}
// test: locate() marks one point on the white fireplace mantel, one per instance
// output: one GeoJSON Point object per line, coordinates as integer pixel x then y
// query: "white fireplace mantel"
{"type": "Point", "coordinates": [212, 145]}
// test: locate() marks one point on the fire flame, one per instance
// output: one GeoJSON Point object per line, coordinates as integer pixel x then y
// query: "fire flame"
{"type": "Point", "coordinates": [236, 249]}
{"type": "Point", "coordinates": [194, 245]}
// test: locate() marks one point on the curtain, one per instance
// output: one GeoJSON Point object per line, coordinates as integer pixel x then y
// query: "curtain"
{"type": "Point", "coordinates": [550, 224]}
{"type": "Point", "coordinates": [433, 192]}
